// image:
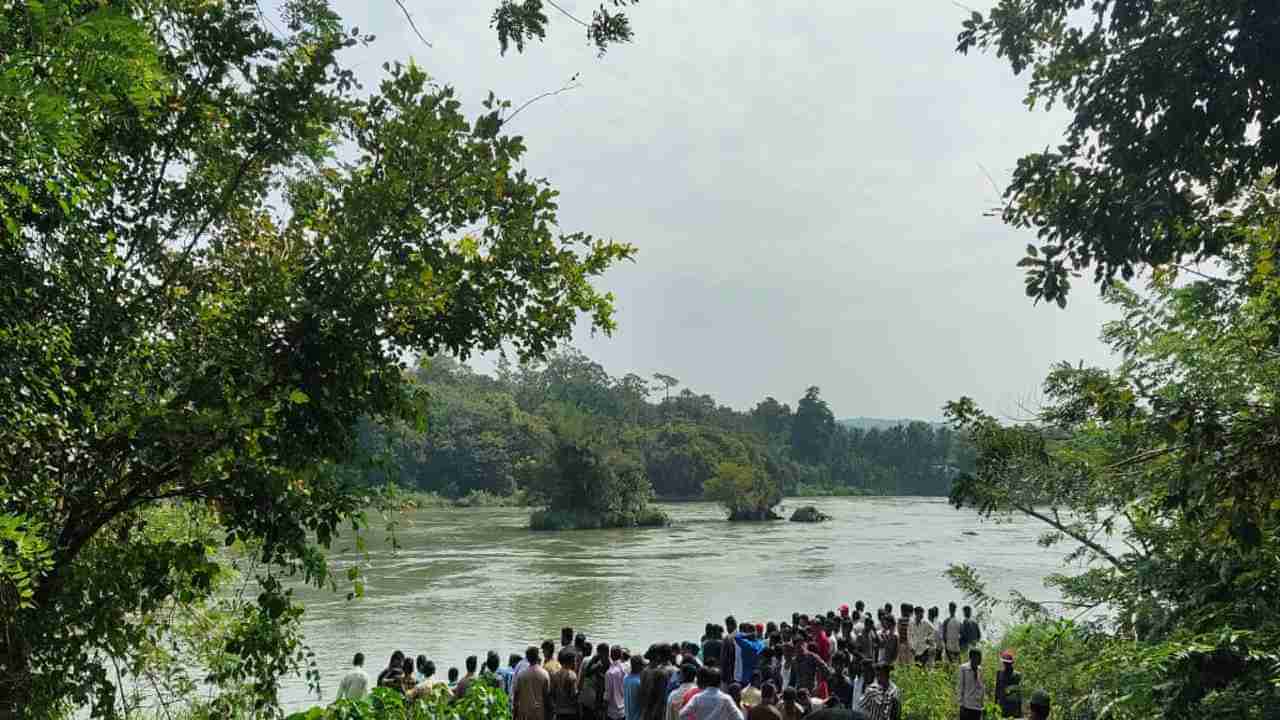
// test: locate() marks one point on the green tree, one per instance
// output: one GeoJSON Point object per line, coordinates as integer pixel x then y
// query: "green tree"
{"type": "Point", "coordinates": [812, 428]}
{"type": "Point", "coordinates": [1172, 126]}
{"type": "Point", "coordinates": [745, 491]}
{"type": "Point", "coordinates": [218, 253]}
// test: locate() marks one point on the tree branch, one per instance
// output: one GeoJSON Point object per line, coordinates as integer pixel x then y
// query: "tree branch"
{"type": "Point", "coordinates": [412, 24]}
{"type": "Point", "coordinates": [1065, 530]}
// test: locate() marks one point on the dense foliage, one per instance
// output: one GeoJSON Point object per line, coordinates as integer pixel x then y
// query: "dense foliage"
{"type": "Point", "coordinates": [217, 253]}
{"type": "Point", "coordinates": [480, 702]}
{"type": "Point", "coordinates": [490, 432]}
{"type": "Point", "coordinates": [1162, 474]}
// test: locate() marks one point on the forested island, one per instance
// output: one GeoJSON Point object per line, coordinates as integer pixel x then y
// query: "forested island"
{"type": "Point", "coordinates": [492, 436]}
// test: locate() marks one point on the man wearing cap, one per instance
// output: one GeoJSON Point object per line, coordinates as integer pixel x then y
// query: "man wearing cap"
{"type": "Point", "coordinates": [1039, 705]}
{"type": "Point", "coordinates": [1008, 687]}
{"type": "Point", "coordinates": [882, 700]}
{"type": "Point", "coordinates": [971, 693]}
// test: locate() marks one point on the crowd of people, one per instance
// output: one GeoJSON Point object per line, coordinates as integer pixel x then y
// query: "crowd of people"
{"type": "Point", "coordinates": [834, 665]}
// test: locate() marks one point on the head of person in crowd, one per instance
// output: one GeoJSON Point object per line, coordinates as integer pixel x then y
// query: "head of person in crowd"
{"type": "Point", "coordinates": [968, 612]}
{"type": "Point", "coordinates": [887, 622]}
{"type": "Point", "coordinates": [397, 660]}
{"type": "Point", "coordinates": [422, 665]}
{"type": "Point", "coordinates": [933, 614]}
{"type": "Point", "coordinates": [768, 694]}
{"type": "Point", "coordinates": [756, 680]}
{"type": "Point", "coordinates": [358, 660]}
{"type": "Point", "coordinates": [709, 631]}
{"type": "Point", "coordinates": [492, 662]}
{"type": "Point", "coordinates": [795, 619]}
{"type": "Point", "coordinates": [844, 610]}
{"type": "Point", "coordinates": [473, 664]}
{"type": "Point", "coordinates": [429, 669]}
{"type": "Point", "coordinates": [975, 658]}
{"type": "Point", "coordinates": [708, 678]}
{"type": "Point", "coordinates": [859, 606]}
{"type": "Point", "coordinates": [804, 699]}
{"type": "Point", "coordinates": [688, 673]}
{"type": "Point", "coordinates": [867, 625]}
{"type": "Point", "coordinates": [566, 636]}
{"type": "Point", "coordinates": [615, 654]}
{"type": "Point", "coordinates": [770, 627]}
{"type": "Point", "coordinates": [406, 666]}
{"type": "Point", "coordinates": [580, 643]}
{"type": "Point", "coordinates": [919, 613]}
{"type": "Point", "coordinates": [637, 664]}
{"type": "Point", "coordinates": [1038, 708]}
{"type": "Point", "coordinates": [735, 692]}
{"type": "Point", "coordinates": [566, 657]}
{"type": "Point", "coordinates": [533, 655]}
{"type": "Point", "coordinates": [602, 652]}
{"type": "Point", "coordinates": [883, 671]}
{"type": "Point", "coordinates": [1006, 660]}
{"type": "Point", "coordinates": [906, 610]}
{"type": "Point", "coordinates": [731, 624]}
{"type": "Point", "coordinates": [453, 675]}
{"type": "Point", "coordinates": [513, 660]}
{"type": "Point", "coordinates": [888, 608]}
{"type": "Point", "coordinates": [549, 650]}
{"type": "Point", "coordinates": [951, 608]}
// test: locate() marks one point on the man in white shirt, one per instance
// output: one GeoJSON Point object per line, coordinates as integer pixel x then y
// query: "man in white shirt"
{"type": "Point", "coordinates": [710, 704]}
{"type": "Point", "coordinates": [970, 692]}
{"type": "Point", "coordinates": [355, 683]}
{"type": "Point", "coordinates": [951, 634]}
{"type": "Point", "coordinates": [920, 637]}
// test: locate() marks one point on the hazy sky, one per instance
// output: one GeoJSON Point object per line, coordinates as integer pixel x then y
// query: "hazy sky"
{"type": "Point", "coordinates": [804, 182]}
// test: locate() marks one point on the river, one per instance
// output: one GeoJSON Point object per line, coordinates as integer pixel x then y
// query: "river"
{"type": "Point", "coordinates": [465, 581]}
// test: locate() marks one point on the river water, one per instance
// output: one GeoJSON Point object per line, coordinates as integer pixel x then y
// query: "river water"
{"type": "Point", "coordinates": [465, 581]}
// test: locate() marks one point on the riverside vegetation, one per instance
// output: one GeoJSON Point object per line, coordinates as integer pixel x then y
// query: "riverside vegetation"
{"type": "Point", "coordinates": [173, 342]}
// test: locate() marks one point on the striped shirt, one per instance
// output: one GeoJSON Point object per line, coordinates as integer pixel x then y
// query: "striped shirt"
{"type": "Point", "coordinates": [881, 704]}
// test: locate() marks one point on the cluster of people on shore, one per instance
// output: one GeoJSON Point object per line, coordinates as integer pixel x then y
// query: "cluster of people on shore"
{"type": "Point", "coordinates": [834, 665]}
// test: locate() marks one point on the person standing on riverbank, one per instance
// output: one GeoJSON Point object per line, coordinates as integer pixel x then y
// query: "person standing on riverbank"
{"type": "Point", "coordinates": [951, 632]}
{"type": "Point", "coordinates": [970, 632]}
{"type": "Point", "coordinates": [905, 656]}
{"type": "Point", "coordinates": [564, 688]}
{"type": "Point", "coordinates": [632, 700]}
{"type": "Point", "coordinates": [921, 637]}
{"type": "Point", "coordinates": [1008, 687]}
{"type": "Point", "coordinates": [749, 649]}
{"type": "Point", "coordinates": [710, 704]}
{"type": "Point", "coordinates": [356, 682]}
{"type": "Point", "coordinates": [532, 696]}
{"type": "Point", "coordinates": [729, 652]}
{"type": "Point", "coordinates": [614, 690]}
{"type": "Point", "coordinates": [676, 698]}
{"type": "Point", "coordinates": [888, 640]}
{"type": "Point", "coordinates": [971, 693]}
{"type": "Point", "coordinates": [938, 640]}
{"type": "Point", "coordinates": [882, 700]}
{"type": "Point", "coordinates": [767, 709]}
{"type": "Point", "coordinates": [654, 681]}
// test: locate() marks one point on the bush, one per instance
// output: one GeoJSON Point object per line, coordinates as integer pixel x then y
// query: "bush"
{"type": "Point", "coordinates": [481, 702]}
{"type": "Point", "coordinates": [745, 491]}
{"type": "Point", "coordinates": [808, 490]}
{"type": "Point", "coordinates": [589, 520]}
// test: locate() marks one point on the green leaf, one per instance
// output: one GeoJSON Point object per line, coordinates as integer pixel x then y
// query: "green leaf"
{"type": "Point", "coordinates": [297, 397]}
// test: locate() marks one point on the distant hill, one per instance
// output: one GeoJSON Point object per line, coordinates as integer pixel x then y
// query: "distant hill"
{"type": "Point", "coordinates": [869, 423]}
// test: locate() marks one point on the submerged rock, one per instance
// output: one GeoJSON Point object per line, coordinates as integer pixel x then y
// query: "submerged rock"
{"type": "Point", "coordinates": [809, 513]}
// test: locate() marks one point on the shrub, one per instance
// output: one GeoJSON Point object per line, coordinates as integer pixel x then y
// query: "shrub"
{"type": "Point", "coordinates": [481, 702]}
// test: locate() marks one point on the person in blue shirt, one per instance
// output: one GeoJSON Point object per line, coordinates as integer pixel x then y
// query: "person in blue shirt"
{"type": "Point", "coordinates": [631, 699]}
{"type": "Point", "coordinates": [749, 650]}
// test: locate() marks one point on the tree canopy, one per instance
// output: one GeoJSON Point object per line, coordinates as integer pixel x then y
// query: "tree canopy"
{"type": "Point", "coordinates": [219, 252]}
{"type": "Point", "coordinates": [1173, 125]}
{"type": "Point", "coordinates": [1161, 473]}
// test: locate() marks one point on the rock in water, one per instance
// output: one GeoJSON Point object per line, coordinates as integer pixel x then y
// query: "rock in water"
{"type": "Point", "coordinates": [809, 513]}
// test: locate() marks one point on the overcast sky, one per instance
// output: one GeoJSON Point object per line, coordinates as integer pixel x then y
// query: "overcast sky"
{"type": "Point", "coordinates": [804, 182]}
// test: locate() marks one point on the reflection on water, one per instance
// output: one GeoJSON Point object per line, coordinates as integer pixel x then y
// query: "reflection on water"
{"type": "Point", "coordinates": [469, 580]}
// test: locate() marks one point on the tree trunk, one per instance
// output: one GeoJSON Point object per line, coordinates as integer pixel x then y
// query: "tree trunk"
{"type": "Point", "coordinates": [15, 670]}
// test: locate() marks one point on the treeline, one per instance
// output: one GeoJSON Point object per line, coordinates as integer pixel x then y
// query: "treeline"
{"type": "Point", "coordinates": [498, 433]}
